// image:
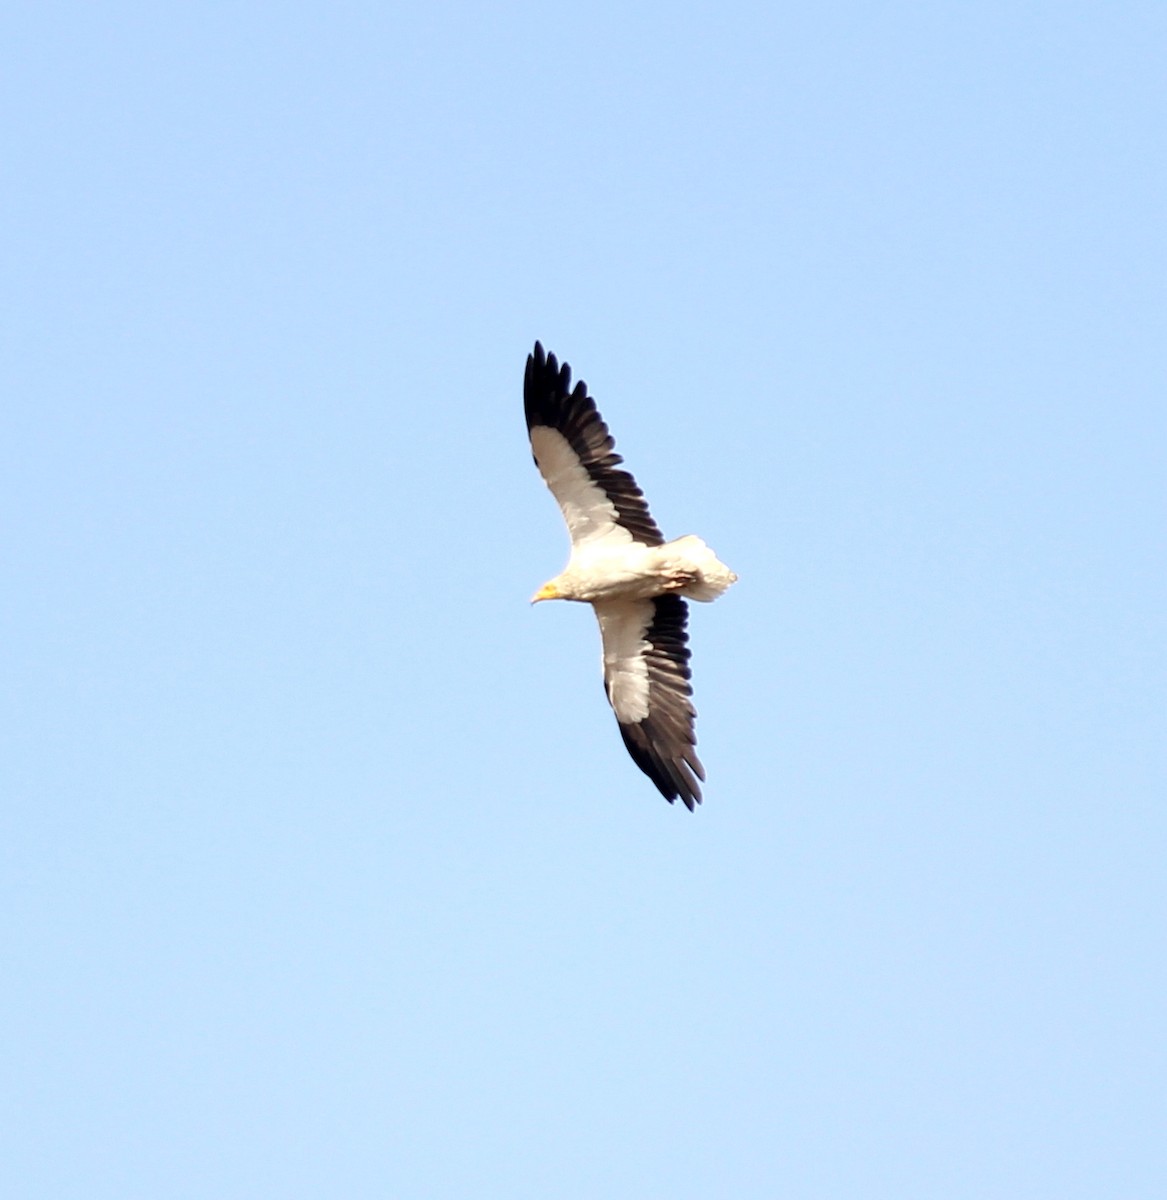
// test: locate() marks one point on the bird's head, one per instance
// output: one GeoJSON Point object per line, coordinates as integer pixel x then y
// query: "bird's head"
{"type": "Point", "coordinates": [549, 591]}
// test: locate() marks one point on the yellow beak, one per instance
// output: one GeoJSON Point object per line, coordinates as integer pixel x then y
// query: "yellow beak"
{"type": "Point", "coordinates": [547, 592]}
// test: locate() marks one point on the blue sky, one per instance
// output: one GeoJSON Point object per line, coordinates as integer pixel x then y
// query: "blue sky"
{"type": "Point", "coordinates": [323, 870]}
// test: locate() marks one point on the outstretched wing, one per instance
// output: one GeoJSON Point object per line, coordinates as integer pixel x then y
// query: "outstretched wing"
{"type": "Point", "coordinates": [577, 458]}
{"type": "Point", "coordinates": [646, 676]}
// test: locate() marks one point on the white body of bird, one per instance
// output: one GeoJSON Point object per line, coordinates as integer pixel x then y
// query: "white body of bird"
{"type": "Point", "coordinates": [633, 571]}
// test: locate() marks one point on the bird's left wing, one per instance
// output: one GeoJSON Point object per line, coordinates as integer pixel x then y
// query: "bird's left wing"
{"type": "Point", "coordinates": [576, 456]}
{"type": "Point", "coordinates": [646, 676]}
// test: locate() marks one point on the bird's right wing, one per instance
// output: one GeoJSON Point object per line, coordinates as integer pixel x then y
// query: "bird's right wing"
{"type": "Point", "coordinates": [646, 676]}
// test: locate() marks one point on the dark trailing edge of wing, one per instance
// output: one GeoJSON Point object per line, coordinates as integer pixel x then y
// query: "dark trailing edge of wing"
{"type": "Point", "coordinates": [663, 744]}
{"type": "Point", "coordinates": [548, 399]}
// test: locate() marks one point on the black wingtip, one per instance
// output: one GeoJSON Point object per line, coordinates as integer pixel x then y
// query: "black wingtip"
{"type": "Point", "coordinates": [545, 368]}
{"type": "Point", "coordinates": [547, 389]}
{"type": "Point", "coordinates": [672, 780]}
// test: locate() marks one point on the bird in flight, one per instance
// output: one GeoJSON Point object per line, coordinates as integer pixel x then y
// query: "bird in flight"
{"type": "Point", "coordinates": [621, 565]}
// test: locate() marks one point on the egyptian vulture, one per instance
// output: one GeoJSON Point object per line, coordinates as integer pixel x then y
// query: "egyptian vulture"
{"type": "Point", "coordinates": [622, 566]}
